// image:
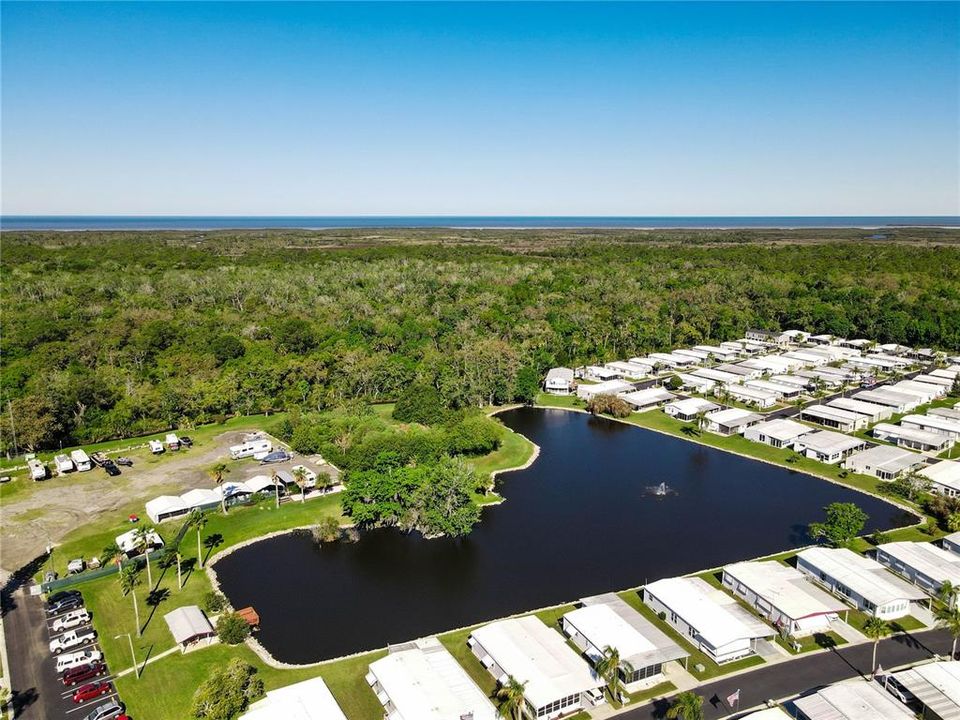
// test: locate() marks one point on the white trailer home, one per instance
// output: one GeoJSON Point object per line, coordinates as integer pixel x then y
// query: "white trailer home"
{"type": "Point", "coordinates": [834, 418]}
{"type": "Point", "coordinates": [909, 437]}
{"type": "Point", "coordinates": [63, 463]}
{"type": "Point", "coordinates": [779, 433]}
{"type": "Point", "coordinates": [933, 423]}
{"type": "Point", "coordinates": [689, 408]}
{"type": "Point", "coordinates": [871, 411]}
{"type": "Point", "coordinates": [883, 395]}
{"type": "Point", "coordinates": [250, 448]}
{"type": "Point", "coordinates": [559, 381]}
{"type": "Point", "coordinates": [754, 396]}
{"type": "Point", "coordinates": [923, 564]}
{"type": "Point", "coordinates": [81, 460]}
{"type": "Point", "coordinates": [641, 400]}
{"type": "Point", "coordinates": [827, 446]}
{"type": "Point", "coordinates": [731, 421]}
{"type": "Point", "coordinates": [884, 462]}
{"type": "Point", "coordinates": [944, 477]}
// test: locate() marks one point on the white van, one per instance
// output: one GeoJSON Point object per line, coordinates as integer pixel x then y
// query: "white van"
{"type": "Point", "coordinates": [156, 447]}
{"type": "Point", "coordinates": [38, 471]}
{"type": "Point", "coordinates": [250, 448]}
{"type": "Point", "coordinates": [81, 460]}
{"type": "Point", "coordinates": [64, 464]}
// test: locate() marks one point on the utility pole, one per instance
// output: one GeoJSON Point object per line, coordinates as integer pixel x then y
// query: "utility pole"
{"type": "Point", "coordinates": [136, 667]}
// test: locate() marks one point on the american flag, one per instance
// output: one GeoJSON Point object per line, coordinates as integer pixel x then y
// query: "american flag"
{"type": "Point", "coordinates": [733, 697]}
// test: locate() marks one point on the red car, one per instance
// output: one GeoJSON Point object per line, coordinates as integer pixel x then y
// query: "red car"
{"type": "Point", "coordinates": [82, 673]}
{"type": "Point", "coordinates": [90, 691]}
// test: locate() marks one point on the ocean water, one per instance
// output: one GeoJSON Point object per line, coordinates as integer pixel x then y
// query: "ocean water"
{"type": "Point", "coordinates": [225, 222]}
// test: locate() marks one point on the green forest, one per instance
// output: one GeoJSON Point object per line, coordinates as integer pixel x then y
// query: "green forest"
{"type": "Point", "coordinates": [118, 334]}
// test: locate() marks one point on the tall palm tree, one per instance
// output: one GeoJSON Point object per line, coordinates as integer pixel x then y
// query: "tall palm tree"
{"type": "Point", "coordinates": [300, 478]}
{"type": "Point", "coordinates": [947, 594]}
{"type": "Point", "coordinates": [111, 553]}
{"type": "Point", "coordinates": [142, 534]}
{"type": "Point", "coordinates": [609, 668]}
{"type": "Point", "coordinates": [512, 702]}
{"type": "Point", "coordinates": [876, 629]}
{"type": "Point", "coordinates": [276, 487]}
{"type": "Point", "coordinates": [948, 617]}
{"type": "Point", "coordinates": [198, 520]}
{"type": "Point", "coordinates": [179, 573]}
{"type": "Point", "coordinates": [686, 706]}
{"type": "Point", "coordinates": [217, 473]}
{"type": "Point", "coordinates": [129, 578]}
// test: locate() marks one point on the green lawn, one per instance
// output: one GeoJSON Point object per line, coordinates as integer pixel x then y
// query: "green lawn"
{"type": "Point", "coordinates": [816, 641]}
{"type": "Point", "coordinates": [559, 401]}
{"type": "Point", "coordinates": [858, 619]}
{"type": "Point", "coordinates": [664, 688]}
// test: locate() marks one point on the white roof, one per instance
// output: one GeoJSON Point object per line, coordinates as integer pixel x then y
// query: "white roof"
{"type": "Point", "coordinates": [650, 396]}
{"type": "Point", "coordinates": [934, 380]}
{"type": "Point", "coordinates": [942, 412]}
{"type": "Point", "coordinates": [187, 622]}
{"type": "Point", "coordinates": [829, 442]}
{"type": "Point", "coordinates": [199, 497]}
{"type": "Point", "coordinates": [731, 416]}
{"type": "Point", "coordinates": [752, 391]}
{"type": "Point", "coordinates": [718, 375]}
{"type": "Point", "coordinates": [691, 406]}
{"type": "Point", "coordinates": [717, 617]}
{"type": "Point", "coordinates": [780, 429]}
{"type": "Point", "coordinates": [774, 713]}
{"type": "Point", "coordinates": [910, 433]}
{"type": "Point", "coordinates": [936, 685]}
{"type": "Point", "coordinates": [934, 562]}
{"type": "Point", "coordinates": [130, 540]}
{"type": "Point", "coordinates": [924, 390]}
{"type": "Point", "coordinates": [696, 381]}
{"type": "Point", "coordinates": [608, 387]}
{"type": "Point", "coordinates": [307, 700]}
{"type": "Point", "coordinates": [424, 682]}
{"type": "Point", "coordinates": [533, 653]}
{"type": "Point", "coordinates": [884, 395]}
{"type": "Point", "coordinates": [853, 700]}
{"type": "Point", "coordinates": [560, 373]}
{"type": "Point", "coordinates": [164, 505]}
{"type": "Point", "coordinates": [932, 421]}
{"type": "Point", "coordinates": [866, 577]}
{"type": "Point", "coordinates": [861, 407]}
{"type": "Point", "coordinates": [945, 472]}
{"type": "Point", "coordinates": [832, 413]}
{"type": "Point", "coordinates": [259, 483]}
{"type": "Point", "coordinates": [785, 588]}
{"type": "Point", "coordinates": [607, 621]}
{"type": "Point", "coordinates": [887, 457]}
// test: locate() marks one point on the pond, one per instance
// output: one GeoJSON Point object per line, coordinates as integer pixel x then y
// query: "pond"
{"type": "Point", "coordinates": [578, 522]}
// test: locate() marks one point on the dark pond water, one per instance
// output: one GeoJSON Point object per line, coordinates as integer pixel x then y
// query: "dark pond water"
{"type": "Point", "coordinates": [578, 522]}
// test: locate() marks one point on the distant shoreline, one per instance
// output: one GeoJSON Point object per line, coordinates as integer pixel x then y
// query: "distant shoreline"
{"type": "Point", "coordinates": [154, 223]}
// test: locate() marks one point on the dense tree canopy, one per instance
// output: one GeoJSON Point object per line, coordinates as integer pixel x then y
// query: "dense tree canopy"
{"type": "Point", "coordinates": [111, 335]}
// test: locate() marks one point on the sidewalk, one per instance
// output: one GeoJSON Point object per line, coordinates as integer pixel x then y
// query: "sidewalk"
{"type": "Point", "coordinates": [154, 658]}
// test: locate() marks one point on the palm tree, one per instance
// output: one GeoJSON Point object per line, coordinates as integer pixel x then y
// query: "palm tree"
{"type": "Point", "coordinates": [179, 574]}
{"type": "Point", "coordinates": [217, 473]}
{"type": "Point", "coordinates": [276, 487]}
{"type": "Point", "coordinates": [129, 578]}
{"type": "Point", "coordinates": [512, 702]}
{"type": "Point", "coordinates": [948, 617]}
{"type": "Point", "coordinates": [110, 553]}
{"type": "Point", "coordinates": [947, 594]}
{"type": "Point", "coordinates": [142, 534]}
{"type": "Point", "coordinates": [300, 478]}
{"type": "Point", "coordinates": [876, 629]}
{"type": "Point", "coordinates": [198, 519]}
{"type": "Point", "coordinates": [686, 706]}
{"type": "Point", "coordinates": [609, 668]}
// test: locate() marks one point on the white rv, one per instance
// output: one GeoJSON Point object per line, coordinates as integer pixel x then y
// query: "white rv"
{"type": "Point", "coordinates": [38, 471]}
{"type": "Point", "coordinates": [64, 464]}
{"type": "Point", "coordinates": [156, 447]}
{"type": "Point", "coordinates": [172, 441]}
{"type": "Point", "coordinates": [81, 460]}
{"type": "Point", "coordinates": [251, 448]}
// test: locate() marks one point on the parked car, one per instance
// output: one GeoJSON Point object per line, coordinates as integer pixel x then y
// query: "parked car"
{"type": "Point", "coordinates": [111, 467]}
{"type": "Point", "coordinates": [65, 605]}
{"type": "Point", "coordinates": [124, 461]}
{"type": "Point", "coordinates": [276, 457]}
{"type": "Point", "coordinates": [63, 595]}
{"type": "Point", "coordinates": [76, 659]}
{"type": "Point", "coordinates": [72, 619]}
{"type": "Point", "coordinates": [110, 710]}
{"type": "Point", "coordinates": [72, 639]}
{"type": "Point", "coordinates": [91, 691]}
{"type": "Point", "coordinates": [82, 673]}
{"type": "Point", "coordinates": [186, 440]}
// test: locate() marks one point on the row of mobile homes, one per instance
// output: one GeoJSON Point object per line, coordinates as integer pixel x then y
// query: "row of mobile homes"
{"type": "Point", "coordinates": [944, 477]}
{"type": "Point", "coordinates": [421, 680]}
{"type": "Point", "coordinates": [936, 687]}
{"type": "Point", "coordinates": [932, 423]}
{"type": "Point", "coordinates": [827, 446]}
{"type": "Point", "coordinates": [557, 681]}
{"type": "Point", "coordinates": [559, 381]}
{"type": "Point", "coordinates": [784, 596]}
{"type": "Point", "coordinates": [796, 381]}
{"type": "Point", "coordinates": [606, 621]}
{"type": "Point", "coordinates": [884, 462]}
{"type": "Point", "coordinates": [948, 413]}
{"type": "Point", "coordinates": [927, 393]}
{"type": "Point", "coordinates": [718, 376]}
{"type": "Point", "coordinates": [778, 433]}
{"type": "Point", "coordinates": [732, 421]}
{"type": "Point", "coordinates": [908, 437]}
{"type": "Point", "coordinates": [921, 563]}
{"type": "Point", "coordinates": [641, 400]}
{"type": "Point", "coordinates": [689, 409]}
{"type": "Point", "coordinates": [883, 395]}
{"type": "Point", "coordinates": [611, 387]}
{"type": "Point", "coordinates": [81, 460]}
{"type": "Point", "coordinates": [712, 620]}
{"type": "Point", "coordinates": [771, 337]}
{"type": "Point", "coordinates": [754, 396]}
{"type": "Point", "coordinates": [851, 700]}
{"type": "Point", "coordinates": [863, 582]}
{"type": "Point", "coordinates": [721, 353]}
{"type": "Point", "coordinates": [306, 700]}
{"type": "Point", "coordinates": [251, 448]}
{"type": "Point", "coordinates": [746, 373]}
{"type": "Point", "coordinates": [834, 418]}
{"type": "Point", "coordinates": [871, 411]}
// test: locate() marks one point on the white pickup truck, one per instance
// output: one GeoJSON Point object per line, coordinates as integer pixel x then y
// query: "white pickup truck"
{"type": "Point", "coordinates": [72, 639]}
{"type": "Point", "coordinates": [76, 659]}
{"type": "Point", "coordinates": [72, 619]}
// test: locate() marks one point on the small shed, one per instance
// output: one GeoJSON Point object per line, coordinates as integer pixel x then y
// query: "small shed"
{"type": "Point", "coordinates": [190, 627]}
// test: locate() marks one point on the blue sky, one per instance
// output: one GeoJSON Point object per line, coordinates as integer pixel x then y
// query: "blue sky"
{"type": "Point", "coordinates": [531, 109]}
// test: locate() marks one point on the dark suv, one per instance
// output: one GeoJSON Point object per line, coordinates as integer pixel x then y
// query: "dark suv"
{"type": "Point", "coordinates": [65, 605]}
{"type": "Point", "coordinates": [64, 595]}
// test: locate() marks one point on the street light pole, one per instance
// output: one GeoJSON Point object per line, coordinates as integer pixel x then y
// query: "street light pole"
{"type": "Point", "coordinates": [136, 668]}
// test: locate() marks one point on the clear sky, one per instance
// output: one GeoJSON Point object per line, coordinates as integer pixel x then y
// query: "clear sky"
{"type": "Point", "coordinates": [529, 109]}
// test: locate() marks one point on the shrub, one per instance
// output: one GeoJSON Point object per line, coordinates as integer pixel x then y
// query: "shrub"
{"type": "Point", "coordinates": [609, 405]}
{"type": "Point", "coordinates": [420, 403]}
{"type": "Point", "coordinates": [327, 530]}
{"type": "Point", "coordinates": [227, 692]}
{"type": "Point", "coordinates": [213, 602]}
{"type": "Point", "coordinates": [232, 629]}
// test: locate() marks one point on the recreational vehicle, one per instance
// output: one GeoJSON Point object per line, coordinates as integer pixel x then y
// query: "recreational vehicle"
{"type": "Point", "coordinates": [81, 460]}
{"type": "Point", "coordinates": [250, 449]}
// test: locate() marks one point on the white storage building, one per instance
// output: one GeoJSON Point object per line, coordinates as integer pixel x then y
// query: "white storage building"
{"type": "Point", "coordinates": [712, 620]}
{"type": "Point", "coordinates": [558, 681]}
{"type": "Point", "coordinates": [862, 581]}
{"type": "Point", "coordinates": [607, 621]}
{"type": "Point", "coordinates": [883, 462]}
{"type": "Point", "coordinates": [923, 564]}
{"type": "Point", "coordinates": [828, 446]}
{"type": "Point", "coordinates": [422, 681]}
{"type": "Point", "coordinates": [784, 596]}
{"type": "Point", "coordinates": [779, 433]}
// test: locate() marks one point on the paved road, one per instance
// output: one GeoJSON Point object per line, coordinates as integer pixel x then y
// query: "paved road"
{"type": "Point", "coordinates": [801, 674]}
{"type": "Point", "coordinates": [32, 675]}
